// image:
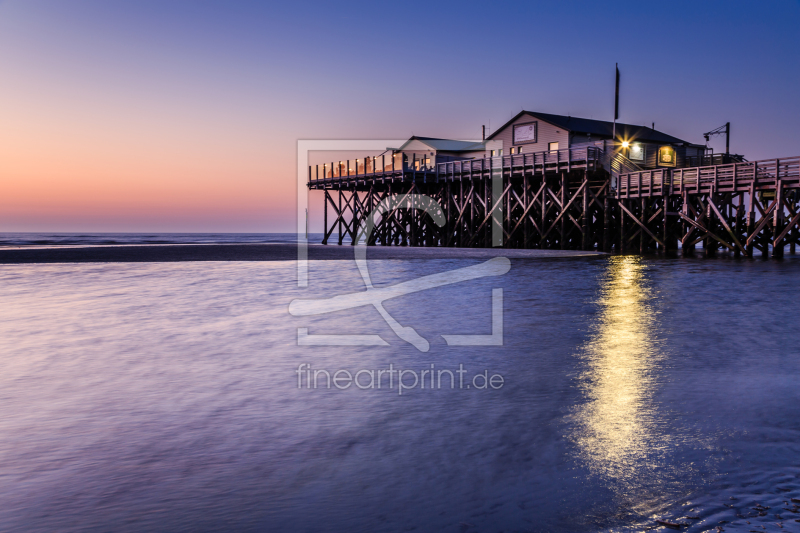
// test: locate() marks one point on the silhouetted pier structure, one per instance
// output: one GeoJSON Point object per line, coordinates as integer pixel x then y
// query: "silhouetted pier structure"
{"type": "Point", "coordinates": [738, 206]}
{"type": "Point", "coordinates": [589, 196]}
{"type": "Point", "coordinates": [542, 200]}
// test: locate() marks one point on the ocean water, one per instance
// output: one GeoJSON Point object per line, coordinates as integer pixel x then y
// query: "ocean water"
{"type": "Point", "coordinates": [119, 239]}
{"type": "Point", "coordinates": [164, 397]}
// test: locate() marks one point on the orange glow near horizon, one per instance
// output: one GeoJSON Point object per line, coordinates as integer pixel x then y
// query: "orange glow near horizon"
{"type": "Point", "coordinates": [79, 171]}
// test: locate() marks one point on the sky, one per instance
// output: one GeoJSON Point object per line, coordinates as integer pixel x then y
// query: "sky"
{"type": "Point", "coordinates": [175, 116]}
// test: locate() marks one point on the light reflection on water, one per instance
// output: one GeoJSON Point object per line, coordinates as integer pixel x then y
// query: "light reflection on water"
{"type": "Point", "coordinates": [615, 425]}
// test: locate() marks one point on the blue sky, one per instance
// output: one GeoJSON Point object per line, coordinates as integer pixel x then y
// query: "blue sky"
{"type": "Point", "coordinates": [214, 95]}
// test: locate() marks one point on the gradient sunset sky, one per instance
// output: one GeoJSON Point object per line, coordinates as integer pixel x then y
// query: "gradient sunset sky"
{"type": "Point", "coordinates": [184, 116]}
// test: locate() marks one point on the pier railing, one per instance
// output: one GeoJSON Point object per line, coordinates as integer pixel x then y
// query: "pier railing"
{"type": "Point", "coordinates": [402, 164]}
{"type": "Point", "coordinates": [733, 177]}
{"type": "Point", "coordinates": [367, 166]}
{"type": "Point", "coordinates": [536, 161]}
{"type": "Point", "coordinates": [713, 159]}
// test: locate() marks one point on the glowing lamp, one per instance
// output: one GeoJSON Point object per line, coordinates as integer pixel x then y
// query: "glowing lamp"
{"type": "Point", "coordinates": [625, 144]}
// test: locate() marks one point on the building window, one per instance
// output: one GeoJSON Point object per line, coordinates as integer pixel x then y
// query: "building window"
{"type": "Point", "coordinates": [636, 152]}
{"type": "Point", "coordinates": [667, 156]}
{"type": "Point", "coordinates": [552, 146]}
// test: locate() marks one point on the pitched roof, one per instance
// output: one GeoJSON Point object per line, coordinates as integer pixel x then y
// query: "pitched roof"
{"type": "Point", "coordinates": [600, 128]}
{"type": "Point", "coordinates": [446, 145]}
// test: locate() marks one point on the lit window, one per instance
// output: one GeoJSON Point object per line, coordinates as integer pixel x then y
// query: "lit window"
{"type": "Point", "coordinates": [552, 146]}
{"type": "Point", "coordinates": [636, 152]}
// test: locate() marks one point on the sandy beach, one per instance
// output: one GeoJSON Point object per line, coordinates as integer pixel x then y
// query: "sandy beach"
{"type": "Point", "coordinates": [254, 252]}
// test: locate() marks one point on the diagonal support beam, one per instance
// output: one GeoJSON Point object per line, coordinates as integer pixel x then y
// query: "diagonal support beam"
{"type": "Point", "coordinates": [726, 225]}
{"type": "Point", "coordinates": [564, 209]}
{"type": "Point", "coordinates": [527, 210]}
{"type": "Point", "coordinates": [467, 200]}
{"type": "Point", "coordinates": [641, 224]}
{"type": "Point", "coordinates": [705, 233]}
{"type": "Point", "coordinates": [489, 215]}
{"type": "Point", "coordinates": [763, 222]}
{"type": "Point", "coordinates": [788, 227]}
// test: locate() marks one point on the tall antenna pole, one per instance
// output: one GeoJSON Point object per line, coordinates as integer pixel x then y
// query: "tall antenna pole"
{"type": "Point", "coordinates": [727, 138]}
{"type": "Point", "coordinates": [616, 103]}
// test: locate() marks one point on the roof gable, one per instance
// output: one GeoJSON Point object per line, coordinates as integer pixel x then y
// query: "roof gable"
{"type": "Point", "coordinates": [443, 145]}
{"type": "Point", "coordinates": [600, 128]}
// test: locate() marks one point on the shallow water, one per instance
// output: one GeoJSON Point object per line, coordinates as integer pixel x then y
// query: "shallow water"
{"type": "Point", "coordinates": [13, 240]}
{"type": "Point", "coordinates": [165, 397]}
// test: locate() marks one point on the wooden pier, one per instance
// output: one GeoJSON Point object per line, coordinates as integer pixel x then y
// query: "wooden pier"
{"type": "Point", "coordinates": [582, 198]}
{"type": "Point", "coordinates": [739, 207]}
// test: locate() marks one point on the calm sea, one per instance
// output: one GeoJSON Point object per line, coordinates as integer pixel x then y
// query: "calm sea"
{"type": "Point", "coordinates": [164, 397]}
{"type": "Point", "coordinates": [117, 239]}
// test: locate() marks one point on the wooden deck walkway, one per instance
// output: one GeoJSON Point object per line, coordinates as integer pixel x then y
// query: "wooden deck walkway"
{"type": "Point", "coordinates": [757, 176]}
{"type": "Point", "coordinates": [361, 174]}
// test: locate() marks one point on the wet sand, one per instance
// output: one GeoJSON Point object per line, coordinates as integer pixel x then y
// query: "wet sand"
{"type": "Point", "coordinates": [255, 252]}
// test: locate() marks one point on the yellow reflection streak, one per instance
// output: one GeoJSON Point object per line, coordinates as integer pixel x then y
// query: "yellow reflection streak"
{"type": "Point", "coordinates": [615, 425]}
